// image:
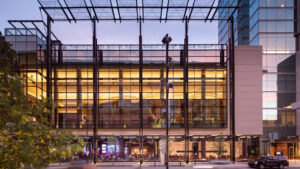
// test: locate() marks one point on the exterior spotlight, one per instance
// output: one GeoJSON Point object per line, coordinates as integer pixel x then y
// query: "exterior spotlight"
{"type": "Point", "coordinates": [170, 84]}
{"type": "Point", "coordinates": [166, 39]}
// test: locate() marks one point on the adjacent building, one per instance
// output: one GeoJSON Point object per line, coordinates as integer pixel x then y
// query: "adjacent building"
{"type": "Point", "coordinates": [271, 24]}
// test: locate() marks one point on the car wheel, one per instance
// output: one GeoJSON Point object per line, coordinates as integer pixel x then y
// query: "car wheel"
{"type": "Point", "coordinates": [281, 166]}
{"type": "Point", "coordinates": [261, 166]}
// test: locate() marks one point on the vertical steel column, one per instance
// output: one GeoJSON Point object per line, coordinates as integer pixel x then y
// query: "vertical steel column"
{"type": "Point", "coordinates": [60, 57]}
{"type": "Point", "coordinates": [120, 95]}
{"type": "Point", "coordinates": [95, 90]}
{"type": "Point", "coordinates": [232, 87]}
{"type": "Point", "coordinates": [55, 95]}
{"type": "Point", "coordinates": [167, 107]}
{"type": "Point", "coordinates": [79, 99]}
{"type": "Point", "coordinates": [296, 25]}
{"type": "Point", "coordinates": [49, 68]}
{"type": "Point", "coordinates": [166, 40]}
{"type": "Point", "coordinates": [141, 134]}
{"type": "Point", "coordinates": [185, 89]}
{"type": "Point", "coordinates": [57, 60]}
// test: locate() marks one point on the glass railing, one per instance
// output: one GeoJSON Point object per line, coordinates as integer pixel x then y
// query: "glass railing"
{"type": "Point", "coordinates": [41, 39]}
{"type": "Point", "coordinates": [129, 54]}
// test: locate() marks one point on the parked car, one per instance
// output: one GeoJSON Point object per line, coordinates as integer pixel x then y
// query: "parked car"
{"type": "Point", "coordinates": [269, 162]}
{"type": "Point", "coordinates": [283, 159]}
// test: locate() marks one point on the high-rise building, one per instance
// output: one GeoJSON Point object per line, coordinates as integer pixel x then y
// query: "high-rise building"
{"type": "Point", "coordinates": [241, 22]}
{"type": "Point", "coordinates": [271, 25]}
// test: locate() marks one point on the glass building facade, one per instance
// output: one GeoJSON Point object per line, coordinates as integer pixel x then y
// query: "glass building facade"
{"type": "Point", "coordinates": [241, 22]}
{"type": "Point", "coordinates": [119, 92]}
{"type": "Point", "coordinates": [72, 87]}
{"type": "Point", "coordinates": [115, 95]}
{"type": "Point", "coordinates": [271, 25]}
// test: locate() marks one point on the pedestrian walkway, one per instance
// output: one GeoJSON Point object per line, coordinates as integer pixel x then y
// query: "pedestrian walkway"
{"type": "Point", "coordinates": [82, 164]}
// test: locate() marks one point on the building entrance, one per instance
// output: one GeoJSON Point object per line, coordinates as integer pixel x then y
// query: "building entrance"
{"type": "Point", "coordinates": [284, 148]}
{"type": "Point", "coordinates": [127, 149]}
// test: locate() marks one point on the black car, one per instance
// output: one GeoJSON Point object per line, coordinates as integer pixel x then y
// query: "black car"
{"type": "Point", "coordinates": [269, 162]}
{"type": "Point", "coordinates": [283, 160]}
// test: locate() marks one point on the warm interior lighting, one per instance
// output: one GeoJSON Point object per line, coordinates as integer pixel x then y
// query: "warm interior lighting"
{"type": "Point", "coordinates": [202, 84]}
{"type": "Point", "coordinates": [87, 74]}
{"type": "Point", "coordinates": [108, 74]}
{"type": "Point", "coordinates": [68, 110]}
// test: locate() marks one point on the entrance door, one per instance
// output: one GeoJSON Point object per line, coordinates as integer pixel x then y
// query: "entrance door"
{"type": "Point", "coordinates": [291, 152]}
{"type": "Point", "coordinates": [195, 150]}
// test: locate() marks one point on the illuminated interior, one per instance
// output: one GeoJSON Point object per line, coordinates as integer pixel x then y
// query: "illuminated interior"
{"type": "Point", "coordinates": [119, 97]}
{"type": "Point", "coordinates": [35, 83]}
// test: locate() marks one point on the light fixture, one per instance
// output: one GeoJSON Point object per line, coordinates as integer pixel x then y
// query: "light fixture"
{"type": "Point", "coordinates": [166, 39]}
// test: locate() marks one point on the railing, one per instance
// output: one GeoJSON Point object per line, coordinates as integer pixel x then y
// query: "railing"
{"type": "Point", "coordinates": [129, 54]}
{"type": "Point", "coordinates": [134, 124]}
{"type": "Point", "coordinates": [26, 32]}
{"type": "Point", "coordinates": [145, 47]}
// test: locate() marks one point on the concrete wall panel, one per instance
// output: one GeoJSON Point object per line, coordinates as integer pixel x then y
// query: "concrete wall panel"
{"type": "Point", "coordinates": [248, 87]}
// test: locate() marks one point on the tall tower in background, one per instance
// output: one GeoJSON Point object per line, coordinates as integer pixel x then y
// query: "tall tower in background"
{"type": "Point", "coordinates": [241, 25]}
{"type": "Point", "coordinates": [270, 23]}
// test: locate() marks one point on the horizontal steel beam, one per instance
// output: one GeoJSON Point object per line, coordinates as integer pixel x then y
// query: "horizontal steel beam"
{"type": "Point", "coordinates": [146, 19]}
{"type": "Point", "coordinates": [134, 7]}
{"type": "Point", "coordinates": [33, 23]}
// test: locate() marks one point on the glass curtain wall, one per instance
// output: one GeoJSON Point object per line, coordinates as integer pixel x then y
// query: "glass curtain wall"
{"type": "Point", "coordinates": [119, 97]}
{"type": "Point", "coordinates": [272, 26]}
{"type": "Point", "coordinates": [30, 46]}
{"type": "Point", "coordinates": [241, 22]}
{"type": "Point", "coordinates": [119, 89]}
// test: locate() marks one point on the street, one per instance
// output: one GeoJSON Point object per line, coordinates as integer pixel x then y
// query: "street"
{"type": "Point", "coordinates": [171, 167]}
{"type": "Point", "coordinates": [203, 166]}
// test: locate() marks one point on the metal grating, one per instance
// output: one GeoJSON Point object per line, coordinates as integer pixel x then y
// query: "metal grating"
{"type": "Point", "coordinates": [73, 10]}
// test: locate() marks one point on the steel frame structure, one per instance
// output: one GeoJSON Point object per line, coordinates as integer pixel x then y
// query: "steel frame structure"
{"type": "Point", "coordinates": [162, 12]}
{"type": "Point", "coordinates": [180, 10]}
{"type": "Point", "coordinates": [33, 24]}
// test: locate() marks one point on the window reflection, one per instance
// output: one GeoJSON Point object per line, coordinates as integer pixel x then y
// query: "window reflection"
{"type": "Point", "coordinates": [279, 117]}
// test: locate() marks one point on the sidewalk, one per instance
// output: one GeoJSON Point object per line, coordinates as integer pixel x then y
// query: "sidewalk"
{"type": "Point", "coordinates": [294, 163]}
{"type": "Point", "coordinates": [83, 164]}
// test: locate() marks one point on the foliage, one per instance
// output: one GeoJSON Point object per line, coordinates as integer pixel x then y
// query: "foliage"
{"type": "Point", "coordinates": [112, 140]}
{"type": "Point", "coordinates": [219, 146]}
{"type": "Point", "coordinates": [26, 140]}
{"type": "Point", "coordinates": [64, 145]}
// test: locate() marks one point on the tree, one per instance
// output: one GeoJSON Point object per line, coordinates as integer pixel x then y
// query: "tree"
{"type": "Point", "coordinates": [25, 137]}
{"type": "Point", "coordinates": [112, 140]}
{"type": "Point", "coordinates": [64, 145]}
{"type": "Point", "coordinates": [219, 146]}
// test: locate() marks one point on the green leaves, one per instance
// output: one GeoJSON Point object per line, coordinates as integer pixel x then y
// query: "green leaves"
{"type": "Point", "coordinates": [24, 141]}
{"type": "Point", "coordinates": [219, 146]}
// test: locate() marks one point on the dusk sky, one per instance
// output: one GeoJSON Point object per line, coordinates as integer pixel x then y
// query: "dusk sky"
{"type": "Point", "coordinates": [108, 31]}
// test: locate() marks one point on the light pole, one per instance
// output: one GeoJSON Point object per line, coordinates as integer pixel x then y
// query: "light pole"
{"type": "Point", "coordinates": [166, 40]}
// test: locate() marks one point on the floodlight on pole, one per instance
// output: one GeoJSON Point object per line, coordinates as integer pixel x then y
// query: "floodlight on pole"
{"type": "Point", "coordinates": [166, 40]}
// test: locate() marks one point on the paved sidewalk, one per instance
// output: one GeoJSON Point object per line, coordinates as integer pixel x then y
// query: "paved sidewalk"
{"type": "Point", "coordinates": [295, 164]}
{"type": "Point", "coordinates": [145, 166]}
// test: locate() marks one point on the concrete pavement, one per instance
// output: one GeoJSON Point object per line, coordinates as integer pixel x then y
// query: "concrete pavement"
{"type": "Point", "coordinates": [136, 166]}
{"type": "Point", "coordinates": [82, 164]}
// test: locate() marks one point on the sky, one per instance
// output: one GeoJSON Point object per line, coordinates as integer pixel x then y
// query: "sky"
{"type": "Point", "coordinates": [109, 32]}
